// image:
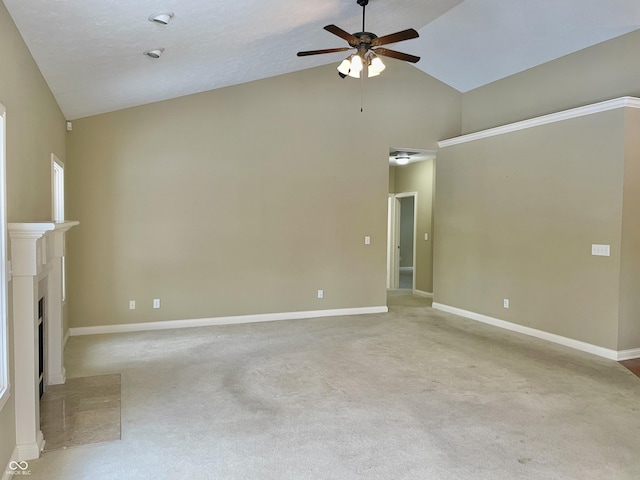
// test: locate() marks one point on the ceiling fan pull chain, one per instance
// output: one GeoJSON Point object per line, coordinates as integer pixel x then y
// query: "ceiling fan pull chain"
{"type": "Point", "coordinates": [362, 92]}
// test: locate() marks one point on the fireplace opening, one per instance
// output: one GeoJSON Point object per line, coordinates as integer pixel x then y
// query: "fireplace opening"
{"type": "Point", "coordinates": [41, 342]}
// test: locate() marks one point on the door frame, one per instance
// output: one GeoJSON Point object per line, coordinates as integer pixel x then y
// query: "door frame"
{"type": "Point", "coordinates": [393, 238]}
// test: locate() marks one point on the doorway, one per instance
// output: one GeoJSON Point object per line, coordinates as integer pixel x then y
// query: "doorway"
{"type": "Point", "coordinates": [401, 252]}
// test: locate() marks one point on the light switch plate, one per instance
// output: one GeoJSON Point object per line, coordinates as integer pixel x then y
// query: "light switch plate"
{"type": "Point", "coordinates": [601, 250]}
{"type": "Point", "coordinates": [367, 240]}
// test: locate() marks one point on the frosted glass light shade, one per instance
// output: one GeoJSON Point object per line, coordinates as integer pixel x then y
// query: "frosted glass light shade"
{"type": "Point", "coordinates": [356, 66]}
{"type": "Point", "coordinates": [377, 65]}
{"type": "Point", "coordinates": [345, 66]}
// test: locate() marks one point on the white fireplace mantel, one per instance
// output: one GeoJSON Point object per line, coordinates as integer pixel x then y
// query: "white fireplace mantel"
{"type": "Point", "coordinates": [37, 249]}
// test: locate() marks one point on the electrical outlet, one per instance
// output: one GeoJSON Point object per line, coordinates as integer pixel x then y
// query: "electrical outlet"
{"type": "Point", "coordinates": [320, 293]}
{"type": "Point", "coordinates": [132, 304]}
{"type": "Point", "coordinates": [367, 240]}
{"type": "Point", "coordinates": [505, 303]}
{"type": "Point", "coordinates": [156, 303]}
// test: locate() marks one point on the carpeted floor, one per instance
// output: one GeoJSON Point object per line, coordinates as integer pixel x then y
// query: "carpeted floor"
{"type": "Point", "coordinates": [412, 394]}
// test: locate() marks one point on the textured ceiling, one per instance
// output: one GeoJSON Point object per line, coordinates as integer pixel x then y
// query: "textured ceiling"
{"type": "Point", "coordinates": [481, 41]}
{"type": "Point", "coordinates": [91, 51]}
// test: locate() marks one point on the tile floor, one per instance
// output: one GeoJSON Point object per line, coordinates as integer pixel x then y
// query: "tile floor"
{"type": "Point", "coordinates": [82, 411]}
{"type": "Point", "coordinates": [633, 365]}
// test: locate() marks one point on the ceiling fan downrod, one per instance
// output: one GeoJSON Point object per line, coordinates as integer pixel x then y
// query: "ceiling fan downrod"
{"type": "Point", "coordinates": [363, 4]}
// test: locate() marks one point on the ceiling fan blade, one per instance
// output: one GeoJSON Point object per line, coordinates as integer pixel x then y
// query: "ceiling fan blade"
{"type": "Point", "coordinates": [342, 34]}
{"type": "Point", "coordinates": [385, 52]}
{"type": "Point", "coordinates": [395, 37]}
{"type": "Point", "coordinates": [320, 52]}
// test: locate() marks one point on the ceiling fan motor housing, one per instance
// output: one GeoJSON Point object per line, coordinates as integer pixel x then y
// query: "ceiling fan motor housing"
{"type": "Point", "coordinates": [365, 39]}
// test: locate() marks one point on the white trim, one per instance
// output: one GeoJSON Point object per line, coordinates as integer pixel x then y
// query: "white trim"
{"type": "Point", "coordinates": [57, 378]}
{"type": "Point", "coordinates": [5, 395]}
{"type": "Point", "coordinates": [514, 327]}
{"type": "Point", "coordinates": [631, 102]}
{"type": "Point", "coordinates": [391, 205]}
{"type": "Point", "coordinates": [230, 320]}
{"type": "Point", "coordinates": [6, 472]}
{"type": "Point", "coordinates": [5, 390]}
{"type": "Point", "coordinates": [66, 339]}
{"type": "Point", "coordinates": [420, 293]}
{"type": "Point", "coordinates": [57, 189]}
{"type": "Point", "coordinates": [628, 354]}
{"type": "Point", "coordinates": [393, 239]}
{"type": "Point", "coordinates": [31, 451]}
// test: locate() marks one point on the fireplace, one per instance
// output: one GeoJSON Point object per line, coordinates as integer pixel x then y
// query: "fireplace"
{"type": "Point", "coordinates": [41, 350]}
{"type": "Point", "coordinates": [36, 279]}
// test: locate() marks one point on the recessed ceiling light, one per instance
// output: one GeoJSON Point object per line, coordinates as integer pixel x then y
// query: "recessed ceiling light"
{"type": "Point", "coordinates": [155, 53]}
{"type": "Point", "coordinates": [162, 18]}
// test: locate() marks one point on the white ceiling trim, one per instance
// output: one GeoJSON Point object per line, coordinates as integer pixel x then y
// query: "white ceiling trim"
{"type": "Point", "coordinates": [622, 102]}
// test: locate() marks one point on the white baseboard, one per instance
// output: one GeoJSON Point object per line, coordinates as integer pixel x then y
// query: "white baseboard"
{"type": "Point", "coordinates": [31, 451]}
{"type": "Point", "coordinates": [231, 320]}
{"type": "Point", "coordinates": [57, 378]}
{"type": "Point", "coordinates": [66, 339]}
{"type": "Point", "coordinates": [420, 293]}
{"type": "Point", "coordinates": [551, 337]}
{"type": "Point", "coordinates": [628, 354]}
{"type": "Point", "coordinates": [7, 473]}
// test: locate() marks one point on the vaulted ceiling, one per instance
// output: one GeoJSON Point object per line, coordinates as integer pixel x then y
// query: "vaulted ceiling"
{"type": "Point", "coordinates": [91, 51]}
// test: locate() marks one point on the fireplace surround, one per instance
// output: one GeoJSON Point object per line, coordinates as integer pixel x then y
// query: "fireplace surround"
{"type": "Point", "coordinates": [36, 271]}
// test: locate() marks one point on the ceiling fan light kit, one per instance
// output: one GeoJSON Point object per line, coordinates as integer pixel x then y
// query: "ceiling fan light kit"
{"type": "Point", "coordinates": [353, 65]}
{"type": "Point", "coordinates": [368, 48]}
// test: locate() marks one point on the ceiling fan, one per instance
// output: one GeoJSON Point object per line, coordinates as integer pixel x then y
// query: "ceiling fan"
{"type": "Point", "coordinates": [368, 46]}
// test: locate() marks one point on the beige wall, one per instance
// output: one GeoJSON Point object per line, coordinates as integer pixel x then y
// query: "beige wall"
{"type": "Point", "coordinates": [392, 179]}
{"type": "Point", "coordinates": [629, 333]}
{"type": "Point", "coordinates": [602, 72]}
{"type": "Point", "coordinates": [515, 217]}
{"type": "Point", "coordinates": [246, 199]}
{"type": "Point", "coordinates": [418, 177]}
{"type": "Point", "coordinates": [35, 129]}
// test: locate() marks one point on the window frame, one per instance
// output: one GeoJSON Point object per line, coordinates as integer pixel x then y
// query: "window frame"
{"type": "Point", "coordinates": [5, 384]}
{"type": "Point", "coordinates": [57, 189]}
{"type": "Point", "coordinates": [57, 208]}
